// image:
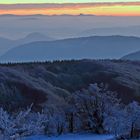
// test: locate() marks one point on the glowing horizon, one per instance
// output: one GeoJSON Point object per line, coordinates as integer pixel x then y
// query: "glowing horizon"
{"type": "Point", "coordinates": [61, 1]}
{"type": "Point", "coordinates": [96, 8]}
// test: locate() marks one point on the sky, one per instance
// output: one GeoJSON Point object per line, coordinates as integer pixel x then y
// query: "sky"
{"type": "Point", "coordinates": [61, 1]}
{"type": "Point", "coordinates": [72, 7]}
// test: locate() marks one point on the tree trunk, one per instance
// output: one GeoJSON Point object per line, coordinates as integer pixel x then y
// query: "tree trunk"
{"type": "Point", "coordinates": [132, 131]}
{"type": "Point", "coordinates": [71, 127]}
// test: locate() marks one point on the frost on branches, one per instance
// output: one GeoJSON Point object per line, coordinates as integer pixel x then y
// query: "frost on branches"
{"type": "Point", "coordinates": [22, 124]}
{"type": "Point", "coordinates": [95, 109]}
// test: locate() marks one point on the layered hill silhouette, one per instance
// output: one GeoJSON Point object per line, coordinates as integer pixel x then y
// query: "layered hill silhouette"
{"type": "Point", "coordinates": [95, 47]}
{"type": "Point", "coordinates": [124, 31]}
{"type": "Point", "coordinates": [6, 44]}
{"type": "Point", "coordinates": [135, 56]}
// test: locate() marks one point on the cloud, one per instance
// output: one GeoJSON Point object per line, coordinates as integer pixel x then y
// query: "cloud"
{"type": "Point", "coordinates": [108, 8]}
{"type": "Point", "coordinates": [66, 5]}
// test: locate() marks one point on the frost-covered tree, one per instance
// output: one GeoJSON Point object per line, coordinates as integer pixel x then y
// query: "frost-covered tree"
{"type": "Point", "coordinates": [115, 121]}
{"type": "Point", "coordinates": [56, 124]}
{"type": "Point", "coordinates": [124, 120]}
{"type": "Point", "coordinates": [6, 123]}
{"type": "Point", "coordinates": [22, 124]}
{"type": "Point", "coordinates": [72, 116]}
{"type": "Point", "coordinates": [94, 109]}
{"type": "Point", "coordinates": [92, 106]}
{"type": "Point", "coordinates": [133, 118]}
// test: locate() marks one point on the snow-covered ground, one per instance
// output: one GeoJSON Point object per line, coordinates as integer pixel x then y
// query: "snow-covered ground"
{"type": "Point", "coordinates": [72, 137]}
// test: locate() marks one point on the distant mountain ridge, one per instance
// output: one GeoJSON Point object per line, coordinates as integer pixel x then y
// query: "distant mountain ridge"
{"type": "Point", "coordinates": [6, 44]}
{"type": "Point", "coordinates": [94, 47]}
{"type": "Point", "coordinates": [135, 56]}
{"type": "Point", "coordinates": [129, 30]}
{"type": "Point", "coordinates": [11, 15]}
{"type": "Point", "coordinates": [36, 36]}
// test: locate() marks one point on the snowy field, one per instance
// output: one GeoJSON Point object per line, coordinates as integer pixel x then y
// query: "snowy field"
{"type": "Point", "coordinates": [72, 137]}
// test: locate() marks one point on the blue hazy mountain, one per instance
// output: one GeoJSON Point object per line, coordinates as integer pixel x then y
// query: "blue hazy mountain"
{"type": "Point", "coordinates": [107, 31]}
{"type": "Point", "coordinates": [35, 37]}
{"type": "Point", "coordinates": [6, 44]}
{"type": "Point", "coordinates": [132, 56]}
{"type": "Point", "coordinates": [96, 47]}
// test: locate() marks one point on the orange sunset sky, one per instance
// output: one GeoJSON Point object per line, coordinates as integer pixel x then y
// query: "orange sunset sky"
{"type": "Point", "coordinates": [95, 8]}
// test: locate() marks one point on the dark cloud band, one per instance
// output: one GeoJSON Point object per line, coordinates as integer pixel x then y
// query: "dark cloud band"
{"type": "Point", "coordinates": [67, 5]}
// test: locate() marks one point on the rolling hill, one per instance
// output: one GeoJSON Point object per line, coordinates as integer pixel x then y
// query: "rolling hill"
{"type": "Point", "coordinates": [96, 47]}
{"type": "Point", "coordinates": [51, 83]}
{"type": "Point", "coordinates": [132, 56]}
{"type": "Point", "coordinates": [6, 44]}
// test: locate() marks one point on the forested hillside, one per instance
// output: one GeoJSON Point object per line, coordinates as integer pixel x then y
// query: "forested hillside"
{"type": "Point", "coordinates": [97, 96]}
{"type": "Point", "coordinates": [23, 84]}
